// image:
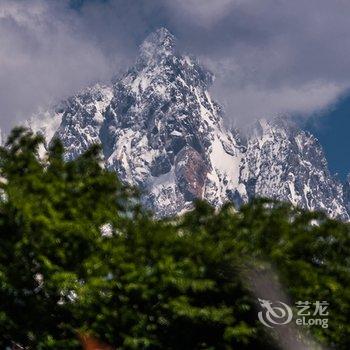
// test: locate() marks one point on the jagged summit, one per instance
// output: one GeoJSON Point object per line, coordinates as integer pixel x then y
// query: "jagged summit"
{"type": "Point", "coordinates": [162, 131]}
{"type": "Point", "coordinates": [160, 63]}
{"type": "Point", "coordinates": [159, 43]}
{"type": "Point", "coordinates": [263, 125]}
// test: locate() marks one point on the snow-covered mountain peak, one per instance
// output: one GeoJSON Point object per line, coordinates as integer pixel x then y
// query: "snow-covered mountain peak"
{"type": "Point", "coordinates": [160, 65]}
{"type": "Point", "coordinates": [264, 126]}
{"type": "Point", "coordinates": [162, 131]}
{"type": "Point", "coordinates": [287, 163]}
{"type": "Point", "coordinates": [160, 43]}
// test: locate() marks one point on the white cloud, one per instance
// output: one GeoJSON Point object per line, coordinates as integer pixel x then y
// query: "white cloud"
{"type": "Point", "coordinates": [203, 12]}
{"type": "Point", "coordinates": [270, 57]}
{"type": "Point", "coordinates": [245, 104]}
{"type": "Point", "coordinates": [43, 56]}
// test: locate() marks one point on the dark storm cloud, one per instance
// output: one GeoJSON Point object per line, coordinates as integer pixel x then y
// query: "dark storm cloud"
{"type": "Point", "coordinates": [270, 57]}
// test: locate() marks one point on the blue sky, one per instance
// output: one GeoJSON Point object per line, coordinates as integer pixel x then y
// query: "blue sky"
{"type": "Point", "coordinates": [333, 131]}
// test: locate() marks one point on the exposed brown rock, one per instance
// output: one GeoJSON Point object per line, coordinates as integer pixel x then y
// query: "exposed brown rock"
{"type": "Point", "coordinates": [190, 172]}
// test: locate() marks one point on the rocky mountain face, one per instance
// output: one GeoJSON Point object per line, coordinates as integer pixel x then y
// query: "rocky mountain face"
{"type": "Point", "coordinates": [161, 130]}
{"type": "Point", "coordinates": [288, 164]}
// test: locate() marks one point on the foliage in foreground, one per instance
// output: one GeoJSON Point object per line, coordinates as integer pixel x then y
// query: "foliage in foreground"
{"type": "Point", "coordinates": [78, 255]}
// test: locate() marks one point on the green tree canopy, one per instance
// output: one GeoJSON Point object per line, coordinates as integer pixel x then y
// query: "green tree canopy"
{"type": "Point", "coordinates": [79, 255]}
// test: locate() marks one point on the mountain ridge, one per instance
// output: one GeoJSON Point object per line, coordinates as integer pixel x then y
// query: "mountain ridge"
{"type": "Point", "coordinates": [162, 131]}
